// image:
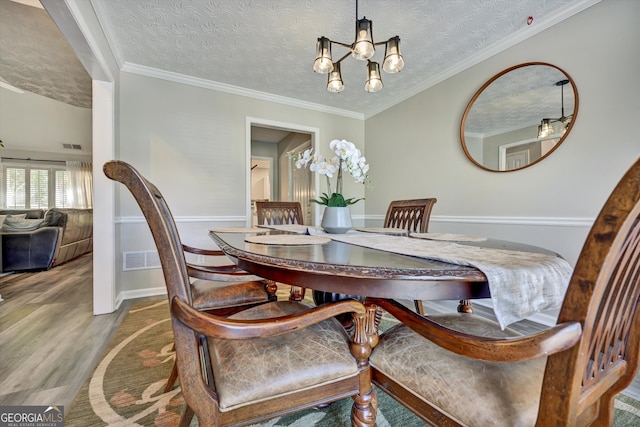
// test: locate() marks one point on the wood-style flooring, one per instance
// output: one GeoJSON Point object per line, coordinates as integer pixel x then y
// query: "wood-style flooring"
{"type": "Point", "coordinates": [50, 341]}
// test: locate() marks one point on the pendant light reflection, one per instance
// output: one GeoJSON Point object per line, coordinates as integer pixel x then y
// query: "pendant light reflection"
{"type": "Point", "coordinates": [546, 127]}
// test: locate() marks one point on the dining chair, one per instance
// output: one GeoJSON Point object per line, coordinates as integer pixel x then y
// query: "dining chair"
{"type": "Point", "coordinates": [411, 215]}
{"type": "Point", "coordinates": [222, 290]}
{"type": "Point", "coordinates": [279, 213]}
{"type": "Point", "coordinates": [263, 362]}
{"type": "Point", "coordinates": [462, 369]}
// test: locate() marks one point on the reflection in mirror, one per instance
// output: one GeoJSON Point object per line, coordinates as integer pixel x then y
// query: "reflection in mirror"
{"type": "Point", "coordinates": [519, 117]}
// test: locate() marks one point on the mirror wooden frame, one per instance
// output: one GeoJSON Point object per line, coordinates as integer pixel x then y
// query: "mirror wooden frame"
{"type": "Point", "coordinates": [484, 87]}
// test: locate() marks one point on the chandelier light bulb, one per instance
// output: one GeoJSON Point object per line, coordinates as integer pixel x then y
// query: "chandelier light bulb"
{"type": "Point", "coordinates": [323, 63]}
{"type": "Point", "coordinates": [374, 81]}
{"type": "Point", "coordinates": [334, 81]}
{"type": "Point", "coordinates": [393, 61]}
{"type": "Point", "coordinates": [363, 48]}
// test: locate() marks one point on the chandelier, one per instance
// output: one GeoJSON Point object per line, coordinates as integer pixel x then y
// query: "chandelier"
{"type": "Point", "coordinates": [363, 48]}
{"type": "Point", "coordinates": [546, 127]}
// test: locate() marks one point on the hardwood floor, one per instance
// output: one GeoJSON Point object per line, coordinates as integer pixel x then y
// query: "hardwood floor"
{"type": "Point", "coordinates": [50, 341]}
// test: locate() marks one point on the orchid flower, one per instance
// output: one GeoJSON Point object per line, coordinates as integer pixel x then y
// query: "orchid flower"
{"type": "Point", "coordinates": [347, 158]}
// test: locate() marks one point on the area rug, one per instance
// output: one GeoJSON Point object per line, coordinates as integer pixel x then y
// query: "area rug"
{"type": "Point", "coordinates": [126, 388]}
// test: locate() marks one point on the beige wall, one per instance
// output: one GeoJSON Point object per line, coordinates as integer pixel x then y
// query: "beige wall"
{"type": "Point", "coordinates": [414, 148]}
{"type": "Point", "coordinates": [191, 142]}
{"type": "Point", "coordinates": [32, 125]}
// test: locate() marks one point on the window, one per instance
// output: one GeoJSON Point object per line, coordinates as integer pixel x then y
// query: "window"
{"type": "Point", "coordinates": [35, 186]}
{"type": "Point", "coordinates": [63, 188]}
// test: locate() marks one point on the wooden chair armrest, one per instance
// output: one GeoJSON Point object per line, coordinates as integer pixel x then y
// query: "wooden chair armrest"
{"type": "Point", "coordinates": [225, 328]}
{"type": "Point", "coordinates": [200, 251]}
{"type": "Point", "coordinates": [545, 343]}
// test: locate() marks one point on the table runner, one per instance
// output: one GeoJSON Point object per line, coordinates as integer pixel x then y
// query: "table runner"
{"type": "Point", "coordinates": [521, 283]}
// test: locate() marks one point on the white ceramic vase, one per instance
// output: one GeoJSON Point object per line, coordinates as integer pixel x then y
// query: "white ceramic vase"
{"type": "Point", "coordinates": [336, 220]}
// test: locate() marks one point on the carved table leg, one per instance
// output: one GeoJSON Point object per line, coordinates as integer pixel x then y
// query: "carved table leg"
{"type": "Point", "coordinates": [365, 403]}
{"type": "Point", "coordinates": [465, 306]}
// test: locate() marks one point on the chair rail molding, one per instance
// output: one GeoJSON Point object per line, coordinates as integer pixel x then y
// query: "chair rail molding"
{"type": "Point", "coordinates": [183, 219]}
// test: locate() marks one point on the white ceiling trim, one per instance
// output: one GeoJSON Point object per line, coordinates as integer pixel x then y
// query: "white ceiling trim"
{"type": "Point", "coordinates": [487, 53]}
{"type": "Point", "coordinates": [236, 90]}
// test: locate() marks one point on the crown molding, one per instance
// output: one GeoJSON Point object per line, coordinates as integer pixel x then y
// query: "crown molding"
{"type": "Point", "coordinates": [235, 90]}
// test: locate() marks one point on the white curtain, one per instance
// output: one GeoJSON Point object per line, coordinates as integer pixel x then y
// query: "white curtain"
{"type": "Point", "coordinates": [81, 180]}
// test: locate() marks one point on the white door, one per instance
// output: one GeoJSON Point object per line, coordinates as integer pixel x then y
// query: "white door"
{"type": "Point", "coordinates": [517, 159]}
{"type": "Point", "coordinates": [301, 185]}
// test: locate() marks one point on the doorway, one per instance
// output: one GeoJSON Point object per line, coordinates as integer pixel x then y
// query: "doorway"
{"type": "Point", "coordinates": [272, 175]}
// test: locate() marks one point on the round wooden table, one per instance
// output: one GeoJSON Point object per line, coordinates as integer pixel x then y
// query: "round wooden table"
{"type": "Point", "coordinates": [341, 268]}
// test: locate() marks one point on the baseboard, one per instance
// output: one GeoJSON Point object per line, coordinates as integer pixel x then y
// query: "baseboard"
{"type": "Point", "coordinates": [143, 293]}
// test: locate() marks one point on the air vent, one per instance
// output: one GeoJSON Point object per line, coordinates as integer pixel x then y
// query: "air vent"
{"type": "Point", "coordinates": [140, 260]}
{"type": "Point", "coordinates": [72, 146]}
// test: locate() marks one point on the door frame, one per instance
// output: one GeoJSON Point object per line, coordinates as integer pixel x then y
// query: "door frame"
{"type": "Point", "coordinates": [268, 123]}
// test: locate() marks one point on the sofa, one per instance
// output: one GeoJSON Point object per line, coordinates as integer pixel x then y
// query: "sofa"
{"type": "Point", "coordinates": [34, 240]}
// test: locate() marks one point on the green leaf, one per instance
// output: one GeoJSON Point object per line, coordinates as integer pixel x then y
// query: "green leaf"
{"type": "Point", "coordinates": [352, 201]}
{"type": "Point", "coordinates": [336, 200]}
{"type": "Point", "coordinates": [324, 200]}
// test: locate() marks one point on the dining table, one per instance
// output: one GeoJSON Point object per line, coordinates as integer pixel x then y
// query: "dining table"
{"type": "Point", "coordinates": [402, 266]}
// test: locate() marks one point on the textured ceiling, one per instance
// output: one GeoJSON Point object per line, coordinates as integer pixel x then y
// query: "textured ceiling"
{"type": "Point", "coordinates": [35, 57]}
{"type": "Point", "coordinates": [269, 45]}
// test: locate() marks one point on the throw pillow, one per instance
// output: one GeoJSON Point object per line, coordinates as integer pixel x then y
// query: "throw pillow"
{"type": "Point", "coordinates": [52, 218]}
{"type": "Point", "coordinates": [12, 223]}
{"type": "Point", "coordinates": [2, 217]}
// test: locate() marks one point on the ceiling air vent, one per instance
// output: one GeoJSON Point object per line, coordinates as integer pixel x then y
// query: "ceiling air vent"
{"type": "Point", "coordinates": [72, 146]}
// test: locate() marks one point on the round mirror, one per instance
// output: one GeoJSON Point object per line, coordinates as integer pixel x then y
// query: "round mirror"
{"type": "Point", "coordinates": [519, 117]}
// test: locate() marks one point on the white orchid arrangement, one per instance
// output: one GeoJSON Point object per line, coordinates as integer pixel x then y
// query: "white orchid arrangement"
{"type": "Point", "coordinates": [347, 158]}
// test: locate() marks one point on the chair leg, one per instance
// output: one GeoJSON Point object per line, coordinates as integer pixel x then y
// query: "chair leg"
{"type": "Point", "coordinates": [271, 288]}
{"type": "Point", "coordinates": [172, 377]}
{"type": "Point", "coordinates": [187, 416]}
{"type": "Point", "coordinates": [419, 307]}
{"type": "Point", "coordinates": [296, 293]}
